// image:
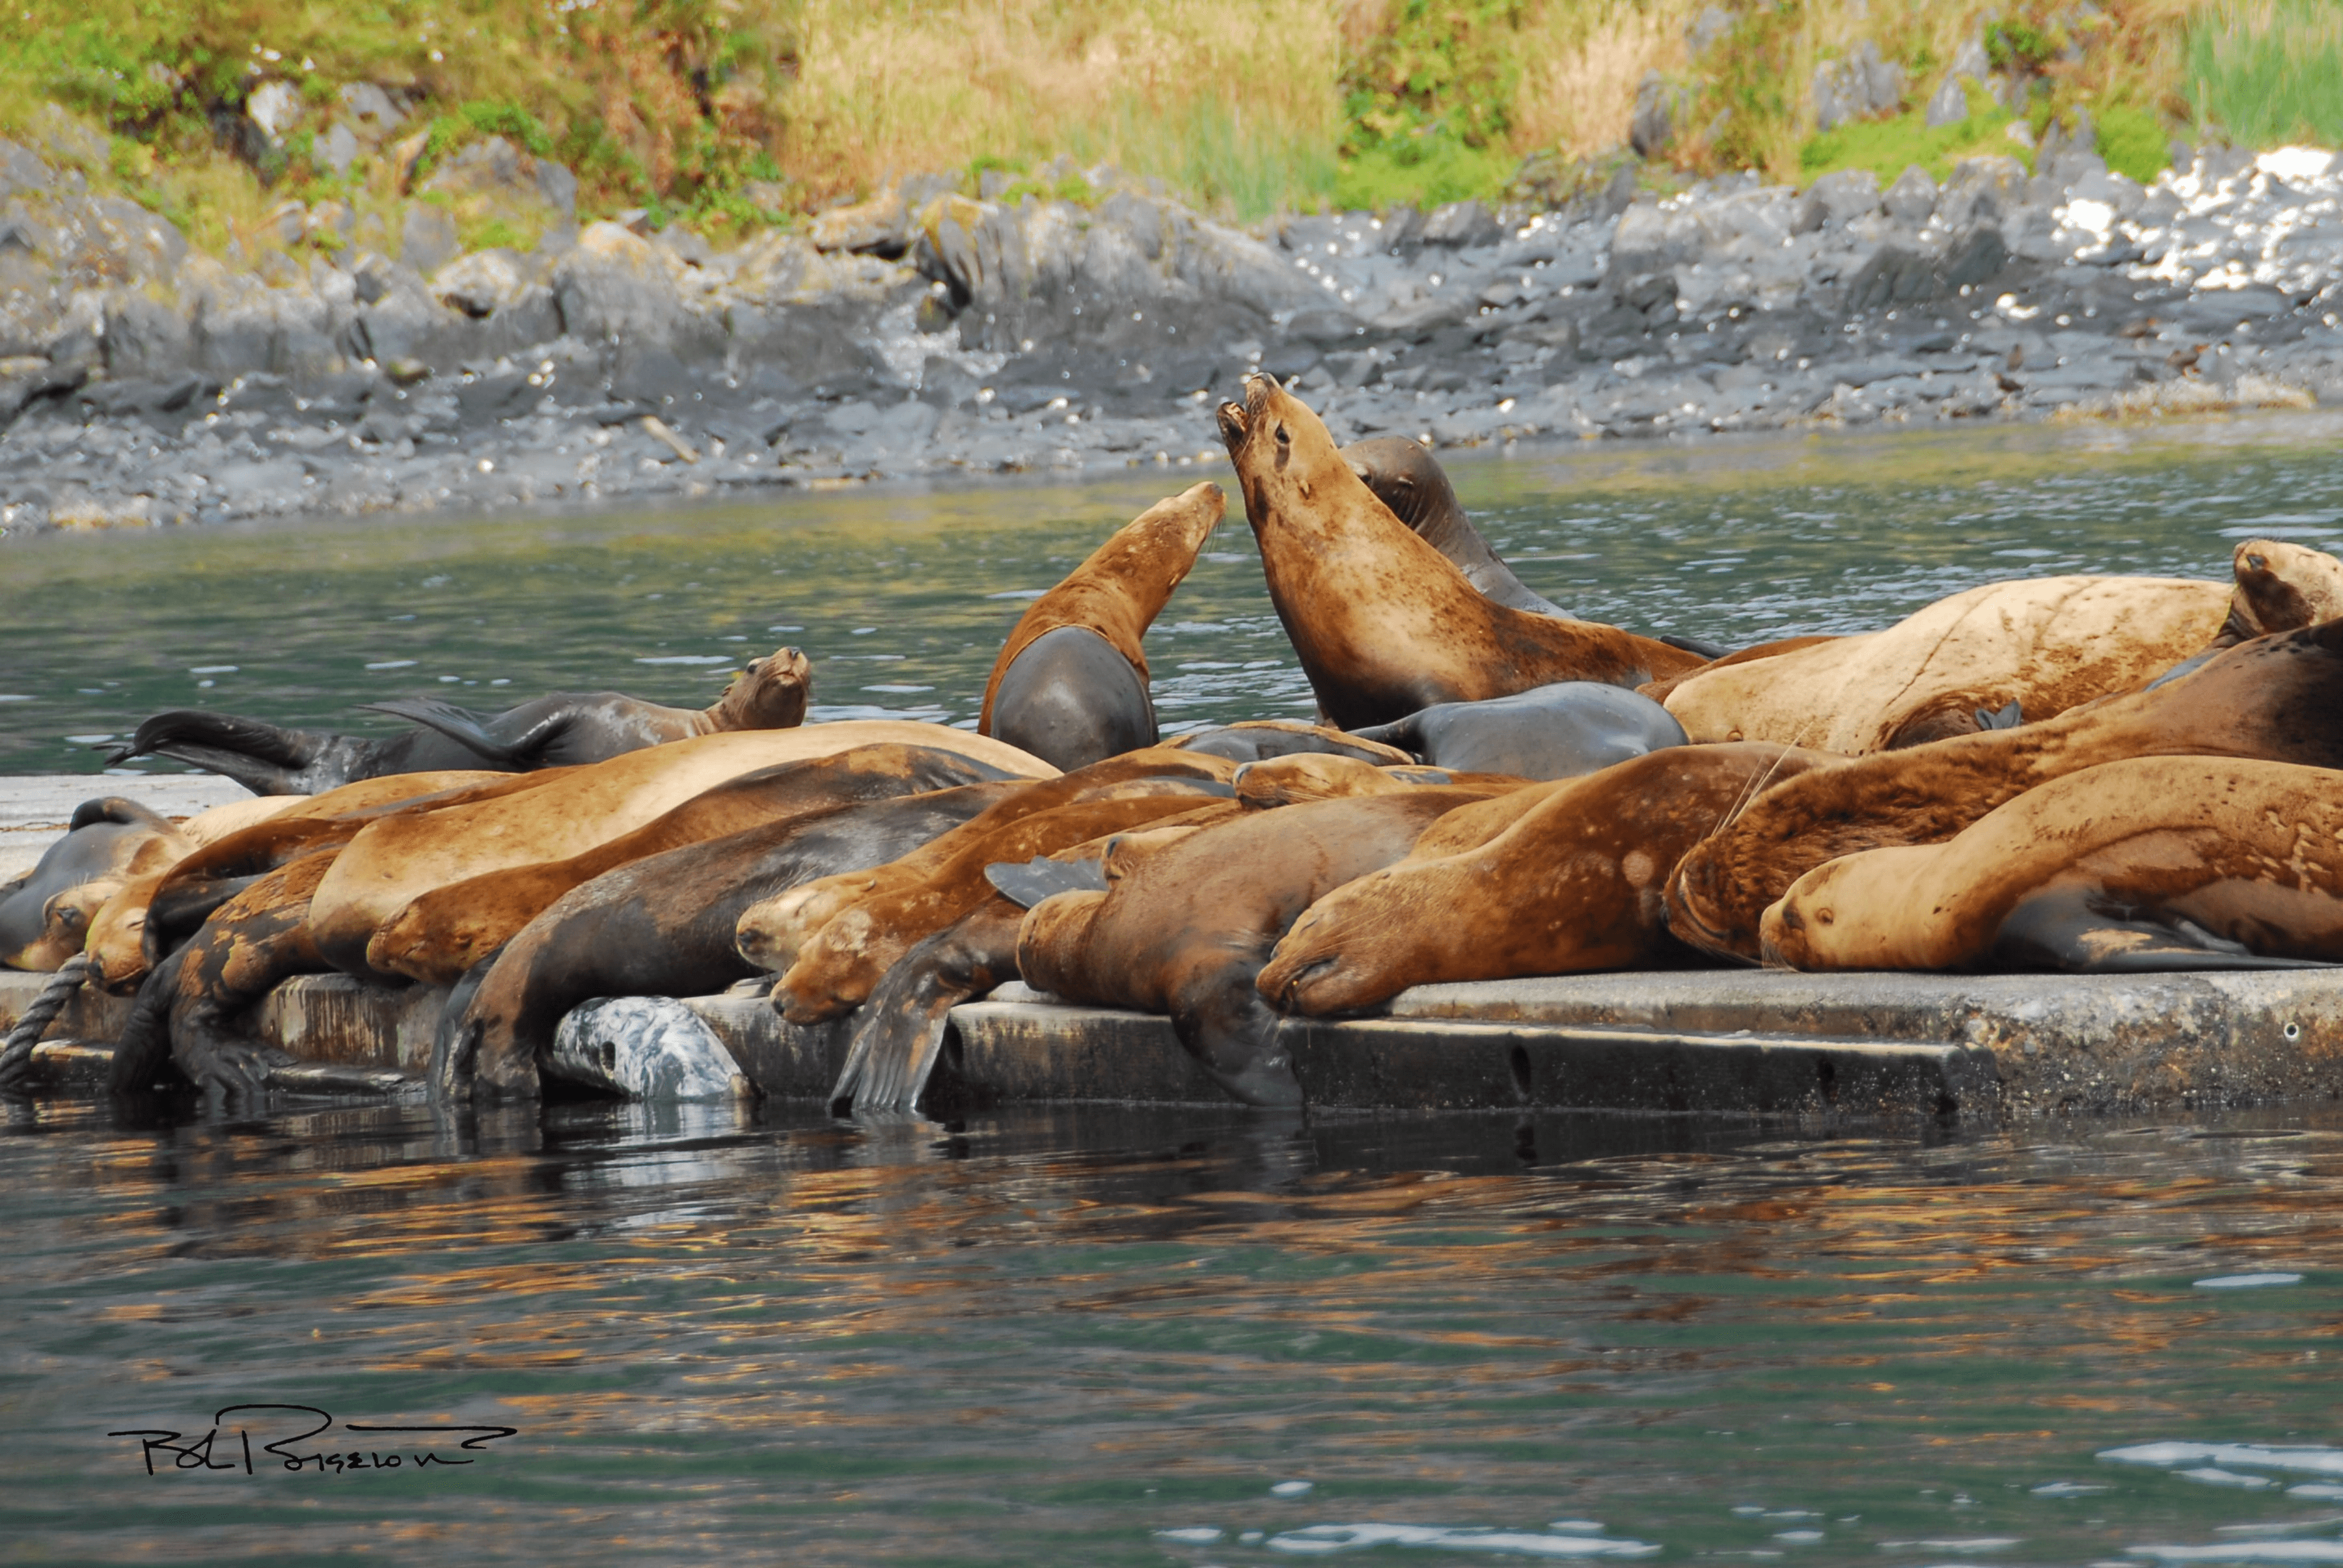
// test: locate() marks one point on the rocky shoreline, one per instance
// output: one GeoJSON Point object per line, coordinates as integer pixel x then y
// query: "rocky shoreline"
{"type": "Point", "coordinates": [936, 330]}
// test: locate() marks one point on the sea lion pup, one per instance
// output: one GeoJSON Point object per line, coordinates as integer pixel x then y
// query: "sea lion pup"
{"type": "Point", "coordinates": [442, 933]}
{"type": "Point", "coordinates": [1955, 666]}
{"type": "Point", "coordinates": [2276, 698]}
{"type": "Point", "coordinates": [151, 915]}
{"type": "Point", "coordinates": [394, 862]}
{"type": "Point", "coordinates": [662, 926]}
{"type": "Point", "coordinates": [1553, 731]}
{"type": "Point", "coordinates": [837, 967]}
{"type": "Point", "coordinates": [1186, 930]}
{"type": "Point", "coordinates": [2146, 865]}
{"type": "Point", "coordinates": [562, 729]}
{"type": "Point", "coordinates": [772, 932]}
{"type": "Point", "coordinates": [108, 842]}
{"type": "Point", "coordinates": [1572, 886]}
{"type": "Point", "coordinates": [1259, 740]}
{"type": "Point", "coordinates": [899, 1030]}
{"type": "Point", "coordinates": [1070, 683]}
{"type": "Point", "coordinates": [1384, 624]}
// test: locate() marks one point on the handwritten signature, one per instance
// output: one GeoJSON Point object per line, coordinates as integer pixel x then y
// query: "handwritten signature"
{"type": "Point", "coordinates": [182, 1450]}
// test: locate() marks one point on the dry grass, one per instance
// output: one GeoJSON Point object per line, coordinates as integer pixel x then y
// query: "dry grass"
{"type": "Point", "coordinates": [894, 86]}
{"type": "Point", "coordinates": [1584, 63]}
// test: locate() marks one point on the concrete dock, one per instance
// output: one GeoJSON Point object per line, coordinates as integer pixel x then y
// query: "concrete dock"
{"type": "Point", "coordinates": [1715, 1042]}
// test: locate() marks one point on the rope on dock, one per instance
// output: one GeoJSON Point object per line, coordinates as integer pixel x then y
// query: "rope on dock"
{"type": "Point", "coordinates": [17, 1053]}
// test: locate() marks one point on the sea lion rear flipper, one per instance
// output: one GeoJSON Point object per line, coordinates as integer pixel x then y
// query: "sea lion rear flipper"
{"type": "Point", "coordinates": [2005, 717]}
{"type": "Point", "coordinates": [899, 1033]}
{"type": "Point", "coordinates": [2079, 931]}
{"type": "Point", "coordinates": [462, 726]}
{"type": "Point", "coordinates": [1027, 885]}
{"type": "Point", "coordinates": [260, 755]}
{"type": "Point", "coordinates": [1692, 645]}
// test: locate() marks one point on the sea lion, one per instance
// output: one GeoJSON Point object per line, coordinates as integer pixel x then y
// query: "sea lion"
{"type": "Point", "coordinates": [771, 933]}
{"type": "Point", "coordinates": [900, 1029]}
{"type": "Point", "coordinates": [1070, 684]}
{"type": "Point", "coordinates": [663, 926]}
{"type": "Point", "coordinates": [561, 729]}
{"type": "Point", "coordinates": [396, 861]}
{"type": "Point", "coordinates": [2276, 698]}
{"type": "Point", "coordinates": [1553, 731]}
{"type": "Point", "coordinates": [1384, 623]}
{"type": "Point", "coordinates": [444, 932]}
{"type": "Point", "coordinates": [2149, 864]}
{"type": "Point", "coordinates": [1186, 930]}
{"type": "Point", "coordinates": [1574, 885]}
{"type": "Point", "coordinates": [1313, 776]}
{"type": "Point", "coordinates": [108, 842]}
{"type": "Point", "coordinates": [1658, 691]}
{"type": "Point", "coordinates": [1409, 479]}
{"type": "Point", "coordinates": [2279, 588]}
{"type": "Point", "coordinates": [151, 915]}
{"type": "Point", "coordinates": [2047, 644]}
{"type": "Point", "coordinates": [837, 967]}
{"type": "Point", "coordinates": [1259, 740]}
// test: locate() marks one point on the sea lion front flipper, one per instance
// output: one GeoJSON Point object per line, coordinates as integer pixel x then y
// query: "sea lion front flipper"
{"type": "Point", "coordinates": [460, 724]}
{"type": "Point", "coordinates": [2079, 931]}
{"type": "Point", "coordinates": [2005, 718]}
{"type": "Point", "coordinates": [1028, 884]}
{"type": "Point", "coordinates": [1692, 645]}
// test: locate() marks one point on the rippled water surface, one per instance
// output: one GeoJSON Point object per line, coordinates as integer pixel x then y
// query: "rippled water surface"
{"type": "Point", "coordinates": [1179, 1338]}
{"type": "Point", "coordinates": [903, 597]}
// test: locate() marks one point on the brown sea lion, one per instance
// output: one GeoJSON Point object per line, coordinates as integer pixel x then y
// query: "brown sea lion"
{"type": "Point", "coordinates": [149, 916]}
{"type": "Point", "coordinates": [2279, 588]}
{"type": "Point", "coordinates": [1290, 780]}
{"type": "Point", "coordinates": [396, 861]}
{"type": "Point", "coordinates": [837, 967]}
{"type": "Point", "coordinates": [1384, 623]}
{"type": "Point", "coordinates": [2279, 698]}
{"type": "Point", "coordinates": [663, 926]}
{"type": "Point", "coordinates": [772, 932]}
{"type": "Point", "coordinates": [1659, 690]}
{"type": "Point", "coordinates": [1187, 929]}
{"type": "Point", "coordinates": [2044, 644]}
{"type": "Point", "coordinates": [561, 729]}
{"type": "Point", "coordinates": [1070, 684]}
{"type": "Point", "coordinates": [1574, 885]}
{"type": "Point", "coordinates": [2149, 864]}
{"type": "Point", "coordinates": [444, 932]}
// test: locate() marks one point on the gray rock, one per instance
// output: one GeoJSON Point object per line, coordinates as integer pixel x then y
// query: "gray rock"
{"type": "Point", "coordinates": [1981, 189]}
{"type": "Point", "coordinates": [144, 337]}
{"type": "Point", "coordinates": [1859, 85]}
{"type": "Point", "coordinates": [20, 171]}
{"type": "Point", "coordinates": [613, 286]}
{"type": "Point", "coordinates": [1837, 199]}
{"type": "Point", "coordinates": [559, 188]}
{"type": "Point", "coordinates": [338, 148]}
{"type": "Point", "coordinates": [1461, 225]}
{"type": "Point", "coordinates": [1912, 197]}
{"type": "Point", "coordinates": [370, 110]}
{"type": "Point", "coordinates": [1949, 106]}
{"type": "Point", "coordinates": [427, 238]}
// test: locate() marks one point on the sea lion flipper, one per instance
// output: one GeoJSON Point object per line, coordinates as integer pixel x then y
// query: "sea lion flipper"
{"type": "Point", "coordinates": [2008, 717]}
{"type": "Point", "coordinates": [1693, 645]}
{"type": "Point", "coordinates": [1028, 884]}
{"type": "Point", "coordinates": [460, 724]}
{"type": "Point", "coordinates": [2069, 929]}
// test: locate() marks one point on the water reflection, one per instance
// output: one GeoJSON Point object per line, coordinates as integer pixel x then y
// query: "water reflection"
{"type": "Point", "coordinates": [902, 598]}
{"type": "Point", "coordinates": [1097, 1333]}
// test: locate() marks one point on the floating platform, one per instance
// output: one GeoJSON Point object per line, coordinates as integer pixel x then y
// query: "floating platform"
{"type": "Point", "coordinates": [1715, 1042]}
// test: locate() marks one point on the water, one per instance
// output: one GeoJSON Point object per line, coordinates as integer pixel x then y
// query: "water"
{"type": "Point", "coordinates": [902, 598]}
{"type": "Point", "coordinates": [1159, 1337]}
{"type": "Point", "coordinates": [1121, 1337]}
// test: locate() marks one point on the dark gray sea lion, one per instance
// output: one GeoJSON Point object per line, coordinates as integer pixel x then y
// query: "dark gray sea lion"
{"type": "Point", "coordinates": [663, 926]}
{"type": "Point", "coordinates": [108, 841]}
{"type": "Point", "coordinates": [1557, 731]}
{"type": "Point", "coordinates": [560, 730]}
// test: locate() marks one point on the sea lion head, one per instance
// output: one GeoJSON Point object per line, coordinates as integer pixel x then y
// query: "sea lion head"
{"type": "Point", "coordinates": [1282, 453]}
{"type": "Point", "coordinates": [1405, 478]}
{"type": "Point", "coordinates": [2281, 588]}
{"type": "Point", "coordinates": [770, 694]}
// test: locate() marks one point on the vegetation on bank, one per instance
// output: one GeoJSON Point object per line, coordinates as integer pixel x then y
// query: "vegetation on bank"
{"type": "Point", "coordinates": [736, 113]}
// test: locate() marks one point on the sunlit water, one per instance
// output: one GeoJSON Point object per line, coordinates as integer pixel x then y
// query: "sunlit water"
{"type": "Point", "coordinates": [902, 598]}
{"type": "Point", "coordinates": [1154, 1337]}
{"type": "Point", "coordinates": [1180, 1338]}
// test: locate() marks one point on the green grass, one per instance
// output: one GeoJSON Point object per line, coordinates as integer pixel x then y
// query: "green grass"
{"type": "Point", "coordinates": [1209, 150]}
{"type": "Point", "coordinates": [2134, 142]}
{"type": "Point", "coordinates": [1887, 148]}
{"type": "Point", "coordinates": [2269, 72]}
